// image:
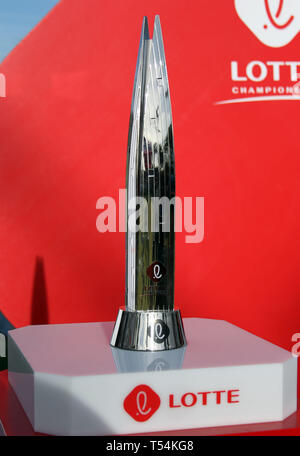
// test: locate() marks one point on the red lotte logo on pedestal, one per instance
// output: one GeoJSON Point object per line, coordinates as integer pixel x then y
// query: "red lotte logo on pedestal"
{"type": "Point", "coordinates": [142, 403]}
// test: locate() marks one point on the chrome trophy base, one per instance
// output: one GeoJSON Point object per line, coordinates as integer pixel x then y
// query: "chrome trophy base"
{"type": "Point", "coordinates": [148, 330]}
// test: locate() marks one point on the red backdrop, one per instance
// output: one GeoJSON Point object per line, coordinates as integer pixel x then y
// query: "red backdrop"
{"type": "Point", "coordinates": [63, 138]}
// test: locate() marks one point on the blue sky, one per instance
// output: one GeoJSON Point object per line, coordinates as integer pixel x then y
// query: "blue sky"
{"type": "Point", "coordinates": [17, 18]}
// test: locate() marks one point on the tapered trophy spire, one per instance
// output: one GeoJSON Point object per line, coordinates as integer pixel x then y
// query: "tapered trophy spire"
{"type": "Point", "coordinates": [149, 321]}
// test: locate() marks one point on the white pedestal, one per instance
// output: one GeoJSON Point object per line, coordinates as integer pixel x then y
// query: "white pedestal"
{"type": "Point", "coordinates": [71, 382]}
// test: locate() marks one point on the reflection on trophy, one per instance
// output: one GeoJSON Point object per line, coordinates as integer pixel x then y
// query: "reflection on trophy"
{"type": "Point", "coordinates": [146, 361]}
{"type": "Point", "coordinates": [149, 320]}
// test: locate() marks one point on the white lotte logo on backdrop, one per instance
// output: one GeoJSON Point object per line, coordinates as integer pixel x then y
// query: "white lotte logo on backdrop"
{"type": "Point", "coordinates": [274, 22]}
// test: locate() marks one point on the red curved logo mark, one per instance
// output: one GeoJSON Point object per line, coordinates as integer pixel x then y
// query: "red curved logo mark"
{"type": "Point", "coordinates": [277, 15]}
{"type": "Point", "coordinates": [141, 403]}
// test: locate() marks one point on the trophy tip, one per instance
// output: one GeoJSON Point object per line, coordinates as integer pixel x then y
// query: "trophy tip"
{"type": "Point", "coordinates": [157, 34]}
{"type": "Point", "coordinates": [145, 29]}
{"type": "Point", "coordinates": [157, 25]}
{"type": "Point", "coordinates": [145, 35]}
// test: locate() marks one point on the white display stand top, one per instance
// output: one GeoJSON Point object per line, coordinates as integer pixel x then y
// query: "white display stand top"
{"type": "Point", "coordinates": [83, 348]}
{"type": "Point", "coordinates": [70, 381]}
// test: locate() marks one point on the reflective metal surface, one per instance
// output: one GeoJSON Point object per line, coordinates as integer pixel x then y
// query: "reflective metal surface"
{"type": "Point", "coordinates": [146, 361]}
{"type": "Point", "coordinates": [2, 431]}
{"type": "Point", "coordinates": [5, 326]}
{"type": "Point", "coordinates": [150, 173]}
{"type": "Point", "coordinates": [153, 330]}
{"type": "Point", "coordinates": [150, 182]}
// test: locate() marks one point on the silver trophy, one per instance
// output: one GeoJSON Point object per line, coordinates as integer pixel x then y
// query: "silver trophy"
{"type": "Point", "coordinates": [149, 321]}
